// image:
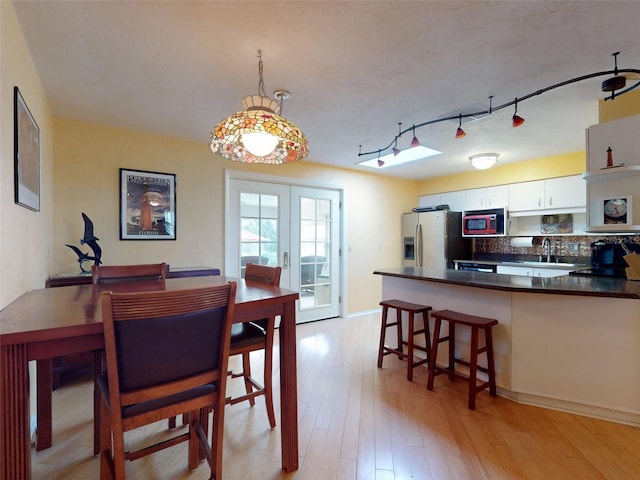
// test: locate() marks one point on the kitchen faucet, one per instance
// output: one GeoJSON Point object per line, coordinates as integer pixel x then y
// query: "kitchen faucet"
{"type": "Point", "coordinates": [548, 245]}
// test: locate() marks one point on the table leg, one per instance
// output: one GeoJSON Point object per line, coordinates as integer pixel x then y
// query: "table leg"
{"type": "Point", "coordinates": [43, 395]}
{"type": "Point", "coordinates": [288, 388]}
{"type": "Point", "coordinates": [15, 453]}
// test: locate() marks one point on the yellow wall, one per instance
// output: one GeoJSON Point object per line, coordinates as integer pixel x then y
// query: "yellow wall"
{"type": "Point", "coordinates": [86, 179]}
{"type": "Point", "coordinates": [548, 167]}
{"type": "Point", "coordinates": [25, 236]}
{"type": "Point", "coordinates": [619, 107]}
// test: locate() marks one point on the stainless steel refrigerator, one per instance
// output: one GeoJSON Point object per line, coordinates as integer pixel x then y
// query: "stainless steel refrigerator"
{"type": "Point", "coordinates": [433, 239]}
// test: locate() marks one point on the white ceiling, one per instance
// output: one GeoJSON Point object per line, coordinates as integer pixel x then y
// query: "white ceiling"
{"type": "Point", "coordinates": [355, 69]}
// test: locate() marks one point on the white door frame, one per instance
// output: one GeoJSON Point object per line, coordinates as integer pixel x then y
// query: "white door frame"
{"type": "Point", "coordinates": [230, 174]}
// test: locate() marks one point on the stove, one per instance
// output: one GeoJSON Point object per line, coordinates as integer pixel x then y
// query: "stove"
{"type": "Point", "coordinates": [601, 272]}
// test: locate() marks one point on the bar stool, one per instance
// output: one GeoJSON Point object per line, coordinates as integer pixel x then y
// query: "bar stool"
{"type": "Point", "coordinates": [476, 323]}
{"type": "Point", "coordinates": [411, 309]}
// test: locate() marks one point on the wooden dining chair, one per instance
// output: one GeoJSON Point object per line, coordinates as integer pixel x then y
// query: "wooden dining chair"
{"type": "Point", "coordinates": [167, 353]}
{"type": "Point", "coordinates": [117, 274]}
{"type": "Point", "coordinates": [254, 336]}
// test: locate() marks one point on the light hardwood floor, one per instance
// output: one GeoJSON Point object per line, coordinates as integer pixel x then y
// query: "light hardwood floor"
{"type": "Point", "coordinates": [361, 422]}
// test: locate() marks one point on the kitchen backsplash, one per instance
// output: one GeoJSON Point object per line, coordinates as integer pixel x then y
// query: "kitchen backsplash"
{"type": "Point", "coordinates": [574, 249]}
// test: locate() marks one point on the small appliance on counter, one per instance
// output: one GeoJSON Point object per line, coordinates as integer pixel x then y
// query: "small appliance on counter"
{"type": "Point", "coordinates": [607, 259]}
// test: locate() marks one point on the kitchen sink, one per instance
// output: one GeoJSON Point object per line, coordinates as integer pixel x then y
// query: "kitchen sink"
{"type": "Point", "coordinates": [551, 264]}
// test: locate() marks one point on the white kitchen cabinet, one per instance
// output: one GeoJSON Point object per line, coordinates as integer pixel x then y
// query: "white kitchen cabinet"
{"type": "Point", "coordinates": [429, 200]}
{"type": "Point", "coordinates": [553, 195]}
{"type": "Point", "coordinates": [455, 200]}
{"type": "Point", "coordinates": [511, 270]}
{"type": "Point", "coordinates": [565, 192]}
{"type": "Point", "coordinates": [533, 271]}
{"type": "Point", "coordinates": [487, 197]}
{"type": "Point", "coordinates": [526, 196]}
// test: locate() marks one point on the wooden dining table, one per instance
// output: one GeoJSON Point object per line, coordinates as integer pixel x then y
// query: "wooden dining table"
{"type": "Point", "coordinates": [46, 323]}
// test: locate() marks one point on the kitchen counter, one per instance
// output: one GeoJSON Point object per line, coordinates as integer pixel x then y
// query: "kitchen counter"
{"type": "Point", "coordinates": [563, 285]}
{"type": "Point", "coordinates": [568, 343]}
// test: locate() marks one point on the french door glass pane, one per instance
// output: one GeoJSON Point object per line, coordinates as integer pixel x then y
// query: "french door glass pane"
{"type": "Point", "coordinates": [259, 229]}
{"type": "Point", "coordinates": [315, 249]}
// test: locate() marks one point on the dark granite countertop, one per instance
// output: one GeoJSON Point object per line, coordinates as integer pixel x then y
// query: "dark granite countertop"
{"type": "Point", "coordinates": [562, 285]}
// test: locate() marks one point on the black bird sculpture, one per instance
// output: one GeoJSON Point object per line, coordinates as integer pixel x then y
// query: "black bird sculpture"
{"type": "Point", "coordinates": [92, 241]}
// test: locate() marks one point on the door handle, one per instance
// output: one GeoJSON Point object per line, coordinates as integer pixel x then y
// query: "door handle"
{"type": "Point", "coordinates": [285, 260]}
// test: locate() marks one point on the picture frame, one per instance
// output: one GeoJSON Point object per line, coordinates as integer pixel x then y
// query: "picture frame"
{"type": "Point", "coordinates": [26, 154]}
{"type": "Point", "coordinates": [147, 205]}
{"type": "Point", "coordinates": [617, 210]}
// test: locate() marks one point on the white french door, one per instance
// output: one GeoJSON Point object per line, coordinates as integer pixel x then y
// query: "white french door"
{"type": "Point", "coordinates": [296, 227]}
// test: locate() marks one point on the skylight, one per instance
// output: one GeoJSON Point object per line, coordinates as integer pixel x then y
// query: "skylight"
{"type": "Point", "coordinates": [408, 155]}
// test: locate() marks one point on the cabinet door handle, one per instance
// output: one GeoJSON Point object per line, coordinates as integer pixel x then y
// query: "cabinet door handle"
{"type": "Point", "coordinates": [539, 202]}
{"type": "Point", "coordinates": [550, 201]}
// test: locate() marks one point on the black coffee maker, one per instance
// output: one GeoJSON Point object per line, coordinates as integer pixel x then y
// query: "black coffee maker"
{"type": "Point", "coordinates": [609, 254]}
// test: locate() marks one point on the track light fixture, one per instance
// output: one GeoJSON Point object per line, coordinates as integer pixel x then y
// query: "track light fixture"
{"type": "Point", "coordinates": [517, 119]}
{"type": "Point", "coordinates": [414, 141]}
{"type": "Point", "coordinates": [460, 132]}
{"type": "Point", "coordinates": [615, 85]}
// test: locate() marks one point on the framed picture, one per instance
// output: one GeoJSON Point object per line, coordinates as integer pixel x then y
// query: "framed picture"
{"type": "Point", "coordinates": [617, 210]}
{"type": "Point", "coordinates": [147, 205]}
{"type": "Point", "coordinates": [26, 151]}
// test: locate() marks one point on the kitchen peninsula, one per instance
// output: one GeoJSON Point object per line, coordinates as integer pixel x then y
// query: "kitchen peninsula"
{"type": "Point", "coordinates": [568, 343]}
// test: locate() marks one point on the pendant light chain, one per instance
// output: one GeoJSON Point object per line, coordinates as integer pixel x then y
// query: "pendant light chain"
{"type": "Point", "coordinates": [260, 75]}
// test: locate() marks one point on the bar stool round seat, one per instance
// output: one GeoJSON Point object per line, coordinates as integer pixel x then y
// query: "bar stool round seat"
{"type": "Point", "coordinates": [412, 309]}
{"type": "Point", "coordinates": [476, 324]}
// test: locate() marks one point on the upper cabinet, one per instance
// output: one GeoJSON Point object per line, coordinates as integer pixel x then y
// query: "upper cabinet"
{"type": "Point", "coordinates": [489, 197]}
{"type": "Point", "coordinates": [554, 195]}
{"type": "Point", "coordinates": [455, 200]}
{"type": "Point", "coordinates": [613, 191]}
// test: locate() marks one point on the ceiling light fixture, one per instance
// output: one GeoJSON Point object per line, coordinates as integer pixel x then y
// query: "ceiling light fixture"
{"type": "Point", "coordinates": [259, 134]}
{"type": "Point", "coordinates": [482, 161]}
{"type": "Point", "coordinates": [517, 120]}
{"type": "Point", "coordinates": [613, 85]}
{"type": "Point", "coordinates": [460, 132]}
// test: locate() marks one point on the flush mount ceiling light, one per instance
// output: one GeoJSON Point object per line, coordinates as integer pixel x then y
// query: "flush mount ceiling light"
{"type": "Point", "coordinates": [259, 134]}
{"type": "Point", "coordinates": [615, 85]}
{"type": "Point", "coordinates": [482, 161]}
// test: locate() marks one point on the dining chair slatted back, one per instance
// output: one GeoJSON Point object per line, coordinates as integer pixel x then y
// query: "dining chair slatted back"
{"type": "Point", "coordinates": [167, 353]}
{"type": "Point", "coordinates": [128, 273]}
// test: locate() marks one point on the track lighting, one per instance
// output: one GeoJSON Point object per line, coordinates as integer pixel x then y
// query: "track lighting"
{"type": "Point", "coordinates": [616, 85]}
{"type": "Point", "coordinates": [460, 132]}
{"type": "Point", "coordinates": [517, 119]}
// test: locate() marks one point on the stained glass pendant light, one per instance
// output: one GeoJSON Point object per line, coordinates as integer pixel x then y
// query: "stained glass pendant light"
{"type": "Point", "coordinates": [259, 134]}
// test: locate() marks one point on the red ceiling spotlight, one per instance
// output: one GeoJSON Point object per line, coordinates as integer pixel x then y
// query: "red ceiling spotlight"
{"type": "Point", "coordinates": [460, 132]}
{"type": "Point", "coordinates": [414, 141]}
{"type": "Point", "coordinates": [517, 119]}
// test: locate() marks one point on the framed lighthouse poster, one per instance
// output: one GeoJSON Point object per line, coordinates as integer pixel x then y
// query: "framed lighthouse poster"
{"type": "Point", "coordinates": [147, 205]}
